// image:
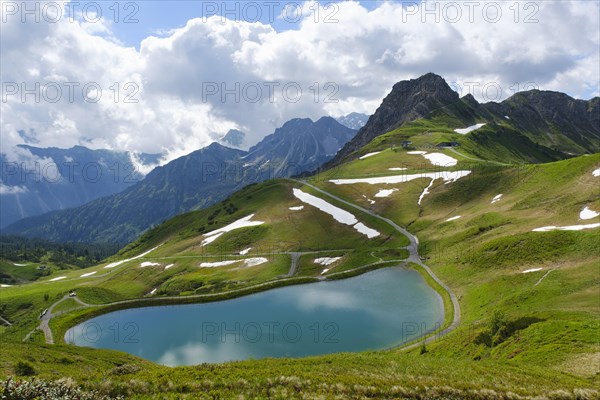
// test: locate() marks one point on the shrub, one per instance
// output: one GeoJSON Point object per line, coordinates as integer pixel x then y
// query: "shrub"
{"type": "Point", "coordinates": [40, 389]}
{"type": "Point", "coordinates": [23, 368]}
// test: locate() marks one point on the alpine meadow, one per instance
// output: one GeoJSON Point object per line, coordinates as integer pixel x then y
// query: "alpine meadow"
{"type": "Point", "coordinates": [300, 200]}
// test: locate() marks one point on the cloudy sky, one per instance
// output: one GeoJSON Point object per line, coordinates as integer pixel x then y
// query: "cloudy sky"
{"type": "Point", "coordinates": [152, 76]}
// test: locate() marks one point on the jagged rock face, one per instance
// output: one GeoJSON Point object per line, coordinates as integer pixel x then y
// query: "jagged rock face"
{"type": "Point", "coordinates": [408, 101]}
{"type": "Point", "coordinates": [551, 119]}
{"type": "Point", "coordinates": [553, 113]}
{"type": "Point", "coordinates": [300, 145]}
{"type": "Point", "coordinates": [353, 120]}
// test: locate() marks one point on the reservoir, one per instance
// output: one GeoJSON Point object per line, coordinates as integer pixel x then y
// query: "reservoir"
{"type": "Point", "coordinates": [376, 310]}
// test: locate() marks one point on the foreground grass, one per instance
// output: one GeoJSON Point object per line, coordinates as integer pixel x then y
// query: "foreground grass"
{"type": "Point", "coordinates": [382, 374]}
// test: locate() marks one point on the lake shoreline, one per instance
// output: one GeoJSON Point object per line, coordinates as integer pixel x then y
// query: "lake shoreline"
{"type": "Point", "coordinates": [416, 318]}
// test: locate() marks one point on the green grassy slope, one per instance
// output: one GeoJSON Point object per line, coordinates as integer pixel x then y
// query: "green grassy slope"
{"type": "Point", "coordinates": [522, 334]}
{"type": "Point", "coordinates": [178, 245]}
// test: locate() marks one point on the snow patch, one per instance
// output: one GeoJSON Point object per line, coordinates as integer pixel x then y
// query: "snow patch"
{"type": "Point", "coordinates": [169, 266]}
{"type": "Point", "coordinates": [441, 159]}
{"type": "Point", "coordinates": [507, 117]}
{"type": "Point", "coordinates": [249, 262]}
{"type": "Point", "coordinates": [453, 218]}
{"type": "Point", "coordinates": [532, 270]}
{"type": "Point", "coordinates": [116, 264]}
{"type": "Point", "coordinates": [385, 192]}
{"type": "Point", "coordinates": [596, 172]}
{"type": "Point", "coordinates": [59, 278]}
{"type": "Point", "coordinates": [218, 263]}
{"type": "Point", "coordinates": [245, 251]}
{"type": "Point", "coordinates": [341, 216]}
{"type": "Point", "coordinates": [417, 152]}
{"type": "Point", "coordinates": [365, 230]}
{"type": "Point", "coordinates": [425, 192]}
{"type": "Point", "coordinates": [586, 213]}
{"type": "Point", "coordinates": [252, 262]}
{"type": "Point", "coordinates": [447, 176]}
{"type": "Point", "coordinates": [149, 264]}
{"type": "Point", "coordinates": [397, 169]}
{"type": "Point", "coordinates": [326, 261]}
{"type": "Point", "coordinates": [5, 286]}
{"type": "Point", "coordinates": [369, 155]}
{"type": "Point", "coordinates": [469, 129]}
{"type": "Point", "coordinates": [153, 291]}
{"type": "Point", "coordinates": [20, 265]}
{"type": "Point", "coordinates": [566, 228]}
{"type": "Point", "coordinates": [88, 274]}
{"type": "Point", "coordinates": [240, 223]}
{"type": "Point", "coordinates": [496, 199]}
{"type": "Point", "coordinates": [297, 208]}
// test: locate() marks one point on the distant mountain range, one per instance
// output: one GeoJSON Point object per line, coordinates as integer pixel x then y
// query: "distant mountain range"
{"type": "Point", "coordinates": [194, 181]}
{"type": "Point", "coordinates": [55, 179]}
{"type": "Point", "coordinates": [353, 120]}
{"type": "Point", "coordinates": [529, 127]}
{"type": "Point", "coordinates": [551, 124]}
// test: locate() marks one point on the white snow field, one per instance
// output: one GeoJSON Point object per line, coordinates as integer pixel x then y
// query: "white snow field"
{"type": "Point", "coordinates": [441, 159]}
{"type": "Point", "coordinates": [447, 176]}
{"type": "Point", "coordinates": [453, 218]}
{"type": "Point", "coordinates": [88, 274]}
{"type": "Point", "coordinates": [365, 230]}
{"type": "Point", "coordinates": [532, 270]}
{"type": "Point", "coordinates": [59, 278]}
{"type": "Point", "coordinates": [116, 264]}
{"type": "Point", "coordinates": [297, 208]}
{"type": "Point", "coordinates": [240, 223]}
{"type": "Point", "coordinates": [496, 199]}
{"type": "Point", "coordinates": [326, 261]}
{"type": "Point", "coordinates": [250, 262]}
{"type": "Point", "coordinates": [566, 228]}
{"type": "Point", "coordinates": [471, 128]}
{"type": "Point", "coordinates": [586, 213]}
{"type": "Point", "coordinates": [341, 216]}
{"type": "Point", "coordinates": [385, 192]}
{"type": "Point", "coordinates": [218, 263]}
{"type": "Point", "coordinates": [369, 155]}
{"type": "Point", "coordinates": [149, 264]}
{"type": "Point", "coordinates": [425, 192]}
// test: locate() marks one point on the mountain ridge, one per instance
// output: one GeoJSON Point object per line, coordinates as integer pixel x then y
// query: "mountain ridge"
{"type": "Point", "coordinates": [196, 180]}
{"type": "Point", "coordinates": [550, 119]}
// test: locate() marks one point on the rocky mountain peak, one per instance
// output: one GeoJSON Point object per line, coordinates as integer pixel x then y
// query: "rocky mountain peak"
{"type": "Point", "coordinates": [409, 100]}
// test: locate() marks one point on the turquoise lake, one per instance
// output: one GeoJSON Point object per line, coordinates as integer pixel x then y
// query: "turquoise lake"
{"type": "Point", "coordinates": [376, 310]}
